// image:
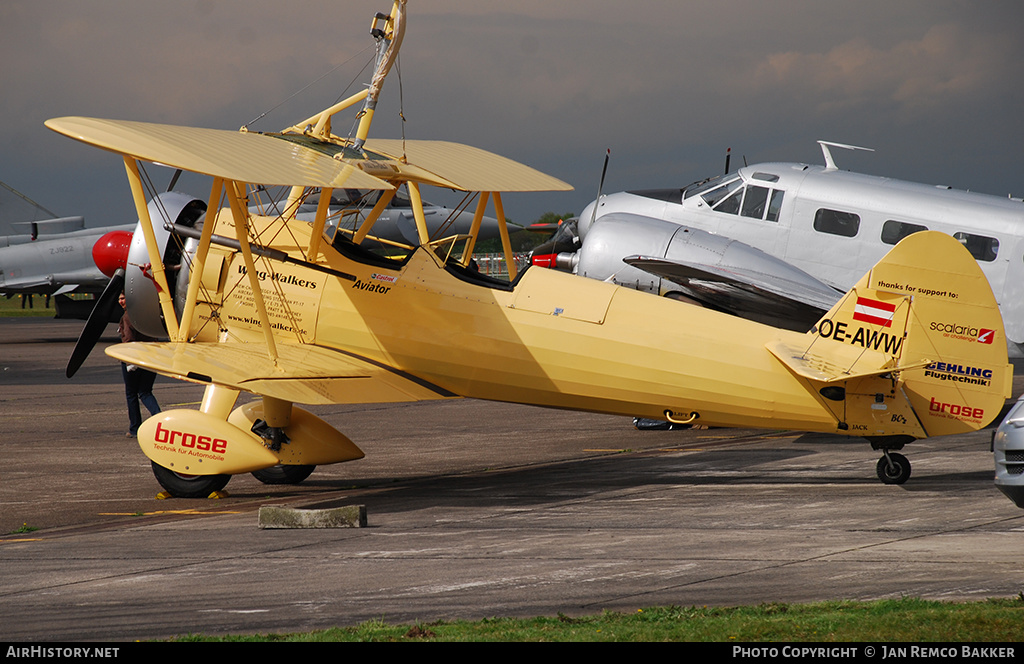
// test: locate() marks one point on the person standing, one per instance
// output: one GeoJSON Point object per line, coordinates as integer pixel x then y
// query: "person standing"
{"type": "Point", "coordinates": [138, 383]}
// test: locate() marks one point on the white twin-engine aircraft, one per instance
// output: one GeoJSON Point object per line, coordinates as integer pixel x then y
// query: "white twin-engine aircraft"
{"type": "Point", "coordinates": [268, 305]}
{"type": "Point", "coordinates": [806, 233]}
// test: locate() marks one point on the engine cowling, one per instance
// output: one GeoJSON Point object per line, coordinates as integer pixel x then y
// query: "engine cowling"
{"type": "Point", "coordinates": [140, 289]}
{"type": "Point", "coordinates": [126, 265]}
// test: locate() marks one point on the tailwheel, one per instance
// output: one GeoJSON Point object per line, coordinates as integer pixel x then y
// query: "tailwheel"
{"type": "Point", "coordinates": [893, 468]}
{"type": "Point", "coordinates": [181, 485]}
{"type": "Point", "coordinates": [282, 474]}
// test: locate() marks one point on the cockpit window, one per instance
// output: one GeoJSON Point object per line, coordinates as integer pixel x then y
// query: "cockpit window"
{"type": "Point", "coordinates": [706, 185]}
{"type": "Point", "coordinates": [731, 205]}
{"type": "Point", "coordinates": [894, 231]}
{"type": "Point", "coordinates": [981, 247]}
{"type": "Point", "coordinates": [835, 222]}
{"type": "Point", "coordinates": [754, 202]}
{"type": "Point", "coordinates": [716, 196]}
{"type": "Point", "coordinates": [732, 197]}
{"type": "Point", "coordinates": [775, 205]}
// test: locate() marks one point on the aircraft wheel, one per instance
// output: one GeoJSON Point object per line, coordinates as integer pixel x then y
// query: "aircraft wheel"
{"type": "Point", "coordinates": [897, 473]}
{"type": "Point", "coordinates": [281, 474]}
{"type": "Point", "coordinates": [188, 486]}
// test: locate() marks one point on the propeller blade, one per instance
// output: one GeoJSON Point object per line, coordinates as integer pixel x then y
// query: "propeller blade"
{"type": "Point", "coordinates": [97, 323]}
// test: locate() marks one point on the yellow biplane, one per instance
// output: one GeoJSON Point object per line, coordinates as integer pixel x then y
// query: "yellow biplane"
{"type": "Point", "coordinates": [270, 305]}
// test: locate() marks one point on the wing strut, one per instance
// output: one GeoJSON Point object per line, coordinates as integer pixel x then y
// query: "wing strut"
{"type": "Point", "coordinates": [371, 219]}
{"type": "Point", "coordinates": [155, 259]}
{"type": "Point", "coordinates": [506, 243]}
{"type": "Point", "coordinates": [417, 212]}
{"type": "Point", "coordinates": [474, 230]}
{"type": "Point", "coordinates": [199, 261]}
{"type": "Point", "coordinates": [241, 216]}
{"type": "Point", "coordinates": [318, 224]}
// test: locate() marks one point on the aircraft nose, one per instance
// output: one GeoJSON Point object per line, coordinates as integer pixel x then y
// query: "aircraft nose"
{"type": "Point", "coordinates": [110, 252]}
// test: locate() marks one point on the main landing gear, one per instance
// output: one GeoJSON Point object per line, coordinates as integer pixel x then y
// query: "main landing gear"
{"type": "Point", "coordinates": [282, 474]}
{"type": "Point", "coordinates": [893, 468]}
{"type": "Point", "coordinates": [181, 485]}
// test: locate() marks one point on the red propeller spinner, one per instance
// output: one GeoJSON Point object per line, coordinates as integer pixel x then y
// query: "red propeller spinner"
{"type": "Point", "coordinates": [111, 251]}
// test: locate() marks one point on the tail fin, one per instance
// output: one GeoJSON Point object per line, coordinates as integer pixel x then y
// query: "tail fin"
{"type": "Point", "coordinates": [930, 347]}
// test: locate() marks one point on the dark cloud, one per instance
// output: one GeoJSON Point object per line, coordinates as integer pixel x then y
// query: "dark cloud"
{"type": "Point", "coordinates": [931, 84]}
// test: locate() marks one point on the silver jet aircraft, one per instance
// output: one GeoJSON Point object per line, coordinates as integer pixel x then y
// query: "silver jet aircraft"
{"type": "Point", "coordinates": [42, 254]}
{"type": "Point", "coordinates": [54, 256]}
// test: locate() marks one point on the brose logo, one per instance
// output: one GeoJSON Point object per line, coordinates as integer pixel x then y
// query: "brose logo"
{"type": "Point", "coordinates": [190, 440]}
{"type": "Point", "coordinates": [980, 335]}
{"type": "Point", "coordinates": [956, 410]}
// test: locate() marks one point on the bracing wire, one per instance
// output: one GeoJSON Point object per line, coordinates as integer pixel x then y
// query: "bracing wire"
{"type": "Point", "coordinates": [311, 84]}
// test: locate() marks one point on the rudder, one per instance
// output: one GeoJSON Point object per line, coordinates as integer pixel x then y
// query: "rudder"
{"type": "Point", "coordinates": [929, 308]}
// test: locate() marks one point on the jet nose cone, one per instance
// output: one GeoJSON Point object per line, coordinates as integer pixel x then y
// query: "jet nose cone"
{"type": "Point", "coordinates": [110, 252]}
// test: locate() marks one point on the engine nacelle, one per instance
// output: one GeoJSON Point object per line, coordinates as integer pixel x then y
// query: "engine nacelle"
{"type": "Point", "coordinates": [615, 236]}
{"type": "Point", "coordinates": [618, 235]}
{"type": "Point", "coordinates": [141, 295]}
{"type": "Point", "coordinates": [697, 266]}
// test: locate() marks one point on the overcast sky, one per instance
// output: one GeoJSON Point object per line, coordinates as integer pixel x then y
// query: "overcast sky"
{"type": "Point", "coordinates": [935, 86]}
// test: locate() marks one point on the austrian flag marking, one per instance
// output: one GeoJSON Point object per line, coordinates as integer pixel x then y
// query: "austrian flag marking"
{"type": "Point", "coordinates": [874, 312]}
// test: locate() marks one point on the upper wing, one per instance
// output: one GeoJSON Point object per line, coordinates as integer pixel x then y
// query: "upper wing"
{"type": "Point", "coordinates": [304, 373]}
{"type": "Point", "coordinates": [467, 168]}
{"type": "Point", "coordinates": [297, 159]}
{"type": "Point", "coordinates": [240, 156]}
{"type": "Point", "coordinates": [746, 293]}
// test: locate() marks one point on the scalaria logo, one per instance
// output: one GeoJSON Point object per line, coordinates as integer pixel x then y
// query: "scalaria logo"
{"type": "Point", "coordinates": [980, 335]}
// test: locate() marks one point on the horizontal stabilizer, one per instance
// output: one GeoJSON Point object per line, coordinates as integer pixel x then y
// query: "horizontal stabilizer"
{"type": "Point", "coordinates": [303, 373]}
{"type": "Point", "coordinates": [55, 226]}
{"type": "Point", "coordinates": [829, 361]}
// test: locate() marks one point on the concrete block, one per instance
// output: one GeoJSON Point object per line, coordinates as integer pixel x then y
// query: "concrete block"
{"type": "Point", "coordinates": [350, 516]}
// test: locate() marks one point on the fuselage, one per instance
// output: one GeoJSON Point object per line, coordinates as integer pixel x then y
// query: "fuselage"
{"type": "Point", "coordinates": [550, 339]}
{"type": "Point", "coordinates": [554, 339]}
{"type": "Point", "coordinates": [835, 224]}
